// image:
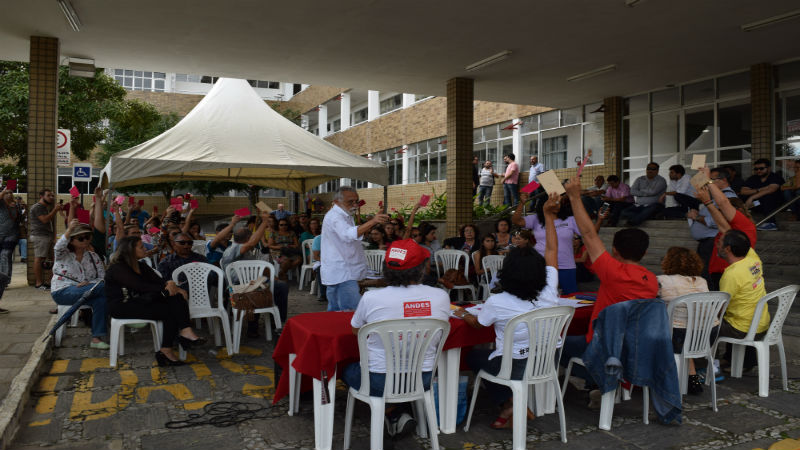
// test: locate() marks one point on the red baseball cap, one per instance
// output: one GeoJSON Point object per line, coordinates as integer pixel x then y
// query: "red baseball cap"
{"type": "Point", "coordinates": [405, 254]}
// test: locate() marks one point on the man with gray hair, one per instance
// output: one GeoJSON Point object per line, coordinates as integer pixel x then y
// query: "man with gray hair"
{"type": "Point", "coordinates": [342, 255]}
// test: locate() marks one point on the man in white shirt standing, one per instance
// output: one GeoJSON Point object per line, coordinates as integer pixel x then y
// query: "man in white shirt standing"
{"type": "Point", "coordinates": [533, 175]}
{"type": "Point", "coordinates": [342, 255]}
{"type": "Point", "coordinates": [679, 198]}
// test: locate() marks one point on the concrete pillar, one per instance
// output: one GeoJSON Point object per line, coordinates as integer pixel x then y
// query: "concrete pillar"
{"type": "Point", "coordinates": [373, 105]}
{"type": "Point", "coordinates": [345, 111]}
{"type": "Point", "coordinates": [323, 120]}
{"type": "Point", "coordinates": [42, 123]}
{"type": "Point", "coordinates": [612, 134]}
{"type": "Point", "coordinates": [408, 100]}
{"type": "Point", "coordinates": [405, 164]}
{"type": "Point", "coordinates": [459, 153]}
{"type": "Point", "coordinates": [761, 110]}
{"type": "Point", "coordinates": [516, 143]}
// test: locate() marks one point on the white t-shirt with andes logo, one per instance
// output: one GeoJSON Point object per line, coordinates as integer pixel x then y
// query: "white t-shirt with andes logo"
{"type": "Point", "coordinates": [398, 302]}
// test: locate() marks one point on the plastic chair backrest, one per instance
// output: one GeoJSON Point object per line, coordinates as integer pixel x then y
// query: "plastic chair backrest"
{"type": "Point", "coordinates": [704, 309]}
{"type": "Point", "coordinates": [785, 296]}
{"type": "Point", "coordinates": [249, 270]}
{"type": "Point", "coordinates": [405, 343]}
{"type": "Point", "coordinates": [375, 259]}
{"type": "Point", "coordinates": [451, 259]}
{"type": "Point", "coordinates": [491, 265]}
{"type": "Point", "coordinates": [308, 255]}
{"type": "Point", "coordinates": [197, 276]}
{"type": "Point", "coordinates": [546, 326]}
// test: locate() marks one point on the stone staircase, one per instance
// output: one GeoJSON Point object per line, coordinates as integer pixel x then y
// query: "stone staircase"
{"type": "Point", "coordinates": [778, 250]}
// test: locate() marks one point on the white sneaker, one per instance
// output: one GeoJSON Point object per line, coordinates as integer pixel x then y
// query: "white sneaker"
{"type": "Point", "coordinates": [404, 424]}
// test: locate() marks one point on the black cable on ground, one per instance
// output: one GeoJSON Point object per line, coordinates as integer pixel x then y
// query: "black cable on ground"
{"type": "Point", "coordinates": [222, 414]}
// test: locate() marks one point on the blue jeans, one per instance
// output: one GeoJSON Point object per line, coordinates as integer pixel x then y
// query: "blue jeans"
{"type": "Point", "coordinates": [574, 346]}
{"type": "Point", "coordinates": [343, 296]}
{"type": "Point", "coordinates": [485, 192]}
{"type": "Point", "coordinates": [351, 375]}
{"type": "Point", "coordinates": [567, 281]}
{"type": "Point", "coordinates": [510, 194]}
{"type": "Point", "coordinates": [637, 214]}
{"type": "Point", "coordinates": [71, 294]}
{"type": "Point", "coordinates": [788, 195]}
{"type": "Point", "coordinates": [23, 248]}
{"type": "Point", "coordinates": [478, 359]}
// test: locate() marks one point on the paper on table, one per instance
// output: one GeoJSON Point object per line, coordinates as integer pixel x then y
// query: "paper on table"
{"type": "Point", "coordinates": [575, 303]}
{"type": "Point", "coordinates": [698, 161]}
{"type": "Point", "coordinates": [263, 207]}
{"type": "Point", "coordinates": [550, 182]}
{"type": "Point", "coordinates": [474, 310]}
{"type": "Point", "coordinates": [699, 180]}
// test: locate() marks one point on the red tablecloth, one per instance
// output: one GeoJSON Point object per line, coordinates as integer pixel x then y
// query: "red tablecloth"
{"type": "Point", "coordinates": [324, 340]}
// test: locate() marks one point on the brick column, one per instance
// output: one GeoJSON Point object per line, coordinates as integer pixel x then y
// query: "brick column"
{"type": "Point", "coordinates": [612, 135]}
{"type": "Point", "coordinates": [761, 104]}
{"type": "Point", "coordinates": [42, 123]}
{"type": "Point", "coordinates": [459, 153]}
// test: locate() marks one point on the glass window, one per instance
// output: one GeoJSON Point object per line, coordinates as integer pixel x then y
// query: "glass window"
{"type": "Point", "coordinates": [787, 117]}
{"type": "Point", "coordinates": [392, 103]}
{"type": "Point", "coordinates": [736, 84]}
{"type": "Point", "coordinates": [700, 92]}
{"type": "Point", "coordinates": [549, 119]}
{"type": "Point", "coordinates": [529, 124]}
{"type": "Point", "coordinates": [571, 116]}
{"type": "Point", "coordinates": [668, 98]}
{"type": "Point", "coordinates": [635, 137]}
{"type": "Point", "coordinates": [789, 149]}
{"type": "Point", "coordinates": [506, 129]}
{"type": "Point", "coordinates": [561, 148]}
{"type": "Point", "coordinates": [637, 104]}
{"type": "Point", "coordinates": [554, 152]}
{"type": "Point", "coordinates": [736, 154]}
{"type": "Point", "coordinates": [666, 132]}
{"type": "Point", "coordinates": [490, 133]}
{"type": "Point", "coordinates": [788, 74]}
{"type": "Point", "coordinates": [360, 116]}
{"type": "Point", "coordinates": [592, 114]}
{"type": "Point", "coordinates": [477, 135]}
{"type": "Point", "coordinates": [593, 138]}
{"type": "Point", "coordinates": [699, 129]}
{"type": "Point", "coordinates": [734, 120]}
{"type": "Point", "coordinates": [530, 147]}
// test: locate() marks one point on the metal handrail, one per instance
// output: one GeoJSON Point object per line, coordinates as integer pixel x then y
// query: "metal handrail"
{"type": "Point", "coordinates": [778, 209]}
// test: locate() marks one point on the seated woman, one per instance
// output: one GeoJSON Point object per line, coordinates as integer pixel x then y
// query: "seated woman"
{"type": "Point", "coordinates": [521, 238]}
{"type": "Point", "coordinates": [682, 268]}
{"type": "Point", "coordinates": [76, 269]}
{"type": "Point", "coordinates": [529, 281]}
{"type": "Point", "coordinates": [467, 239]}
{"type": "Point", "coordinates": [427, 238]}
{"type": "Point", "coordinates": [502, 234]}
{"type": "Point", "coordinates": [377, 239]}
{"type": "Point", "coordinates": [285, 249]}
{"type": "Point", "coordinates": [488, 245]}
{"type": "Point", "coordinates": [148, 297]}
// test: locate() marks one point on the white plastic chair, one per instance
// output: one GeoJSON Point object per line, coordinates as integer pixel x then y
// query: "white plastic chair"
{"type": "Point", "coordinates": [117, 336]}
{"type": "Point", "coordinates": [785, 297]}
{"type": "Point", "coordinates": [197, 274]}
{"type": "Point", "coordinates": [546, 327]}
{"type": "Point", "coordinates": [491, 265]}
{"type": "Point", "coordinates": [610, 398]}
{"type": "Point", "coordinates": [244, 272]}
{"type": "Point", "coordinates": [73, 321]}
{"type": "Point", "coordinates": [405, 342]}
{"type": "Point", "coordinates": [375, 260]}
{"type": "Point", "coordinates": [704, 311]}
{"type": "Point", "coordinates": [308, 263]}
{"type": "Point", "coordinates": [447, 259]}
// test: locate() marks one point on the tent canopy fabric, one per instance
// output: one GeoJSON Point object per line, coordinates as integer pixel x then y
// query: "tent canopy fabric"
{"type": "Point", "coordinates": [232, 135]}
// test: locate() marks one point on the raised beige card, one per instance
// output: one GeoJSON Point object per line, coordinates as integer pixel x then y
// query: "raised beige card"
{"type": "Point", "coordinates": [263, 207]}
{"type": "Point", "coordinates": [698, 161]}
{"type": "Point", "coordinates": [699, 180]}
{"type": "Point", "coordinates": [549, 180]}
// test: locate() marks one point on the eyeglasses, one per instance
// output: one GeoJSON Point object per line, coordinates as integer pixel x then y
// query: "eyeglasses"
{"type": "Point", "coordinates": [652, 168]}
{"type": "Point", "coordinates": [717, 179]}
{"type": "Point", "coordinates": [183, 242]}
{"type": "Point", "coordinates": [81, 238]}
{"type": "Point", "coordinates": [759, 168]}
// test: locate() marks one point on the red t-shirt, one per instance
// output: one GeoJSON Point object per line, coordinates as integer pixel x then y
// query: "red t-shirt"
{"type": "Point", "coordinates": [742, 223]}
{"type": "Point", "coordinates": [619, 282]}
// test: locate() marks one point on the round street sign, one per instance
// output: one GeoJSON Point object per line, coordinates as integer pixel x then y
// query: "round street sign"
{"type": "Point", "coordinates": [61, 139]}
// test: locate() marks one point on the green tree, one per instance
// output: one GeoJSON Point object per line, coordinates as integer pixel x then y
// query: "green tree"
{"type": "Point", "coordinates": [83, 105]}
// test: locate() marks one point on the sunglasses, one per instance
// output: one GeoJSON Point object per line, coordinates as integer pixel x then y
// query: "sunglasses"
{"type": "Point", "coordinates": [183, 242]}
{"type": "Point", "coordinates": [81, 238]}
{"type": "Point", "coordinates": [759, 168]}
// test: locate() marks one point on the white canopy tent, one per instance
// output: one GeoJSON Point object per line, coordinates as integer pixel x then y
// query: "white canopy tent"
{"type": "Point", "coordinates": [232, 135]}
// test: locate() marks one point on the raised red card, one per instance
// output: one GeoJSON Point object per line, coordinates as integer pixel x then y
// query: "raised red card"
{"type": "Point", "coordinates": [154, 230]}
{"type": "Point", "coordinates": [424, 199]}
{"type": "Point", "coordinates": [11, 185]}
{"type": "Point", "coordinates": [361, 203]}
{"type": "Point", "coordinates": [74, 192]}
{"type": "Point", "coordinates": [175, 201]}
{"type": "Point", "coordinates": [83, 216]}
{"type": "Point", "coordinates": [141, 202]}
{"type": "Point", "coordinates": [530, 187]}
{"type": "Point", "coordinates": [119, 200]}
{"type": "Point", "coordinates": [242, 212]}
{"type": "Point", "coordinates": [130, 201]}
{"type": "Point", "coordinates": [193, 204]}
{"type": "Point", "coordinates": [155, 209]}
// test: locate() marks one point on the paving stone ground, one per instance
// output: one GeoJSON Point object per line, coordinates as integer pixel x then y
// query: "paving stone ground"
{"type": "Point", "coordinates": [82, 403]}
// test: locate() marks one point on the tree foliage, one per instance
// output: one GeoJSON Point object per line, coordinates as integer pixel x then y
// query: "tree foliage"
{"type": "Point", "coordinates": [83, 105]}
